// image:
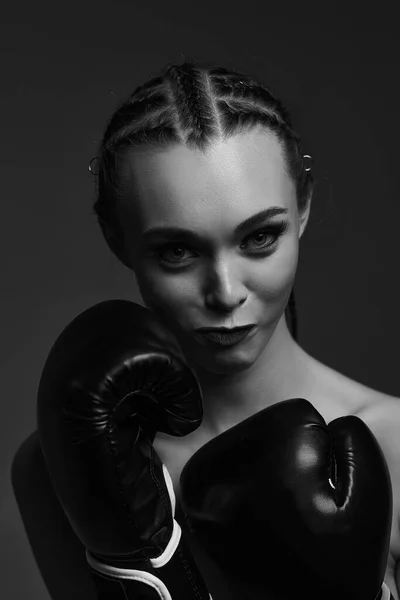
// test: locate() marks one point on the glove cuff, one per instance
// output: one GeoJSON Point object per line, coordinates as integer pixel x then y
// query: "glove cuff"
{"type": "Point", "coordinates": [134, 575]}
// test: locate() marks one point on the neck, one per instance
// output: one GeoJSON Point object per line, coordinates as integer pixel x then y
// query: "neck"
{"type": "Point", "coordinates": [278, 374]}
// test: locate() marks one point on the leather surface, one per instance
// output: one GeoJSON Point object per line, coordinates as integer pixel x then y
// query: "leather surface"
{"type": "Point", "coordinates": [285, 499]}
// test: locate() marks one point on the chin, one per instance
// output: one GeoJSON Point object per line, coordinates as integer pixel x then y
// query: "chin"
{"type": "Point", "coordinates": [227, 366]}
{"type": "Point", "coordinates": [228, 360]}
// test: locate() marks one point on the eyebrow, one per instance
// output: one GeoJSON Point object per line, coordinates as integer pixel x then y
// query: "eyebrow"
{"type": "Point", "coordinates": [179, 232]}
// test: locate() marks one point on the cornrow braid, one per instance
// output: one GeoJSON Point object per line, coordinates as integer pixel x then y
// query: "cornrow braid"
{"type": "Point", "coordinates": [195, 105]}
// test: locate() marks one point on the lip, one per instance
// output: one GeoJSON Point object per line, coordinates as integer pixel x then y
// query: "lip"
{"type": "Point", "coordinates": [224, 329]}
{"type": "Point", "coordinates": [226, 337]}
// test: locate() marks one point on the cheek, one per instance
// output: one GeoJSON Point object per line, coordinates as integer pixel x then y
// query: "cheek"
{"type": "Point", "coordinates": [278, 273]}
{"type": "Point", "coordinates": [164, 295]}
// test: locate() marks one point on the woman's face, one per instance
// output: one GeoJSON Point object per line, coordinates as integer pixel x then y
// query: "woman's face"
{"type": "Point", "coordinates": [208, 268]}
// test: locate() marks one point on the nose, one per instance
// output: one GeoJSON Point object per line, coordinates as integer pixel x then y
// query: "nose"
{"type": "Point", "coordinates": [225, 289]}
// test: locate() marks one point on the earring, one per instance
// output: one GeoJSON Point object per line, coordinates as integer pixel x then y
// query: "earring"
{"type": "Point", "coordinates": [308, 160]}
{"type": "Point", "coordinates": [90, 168]}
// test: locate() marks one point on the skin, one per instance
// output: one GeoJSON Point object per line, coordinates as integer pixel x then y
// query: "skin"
{"type": "Point", "coordinates": [228, 280]}
{"type": "Point", "coordinates": [220, 284]}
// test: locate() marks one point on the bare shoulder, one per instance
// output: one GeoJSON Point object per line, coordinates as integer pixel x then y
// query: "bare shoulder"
{"type": "Point", "coordinates": [339, 395]}
{"type": "Point", "coordinates": [380, 411]}
{"type": "Point", "coordinates": [382, 415]}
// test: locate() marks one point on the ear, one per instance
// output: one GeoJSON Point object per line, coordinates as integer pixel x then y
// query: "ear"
{"type": "Point", "coordinates": [304, 215]}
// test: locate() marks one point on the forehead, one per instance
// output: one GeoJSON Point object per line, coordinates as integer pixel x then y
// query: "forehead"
{"type": "Point", "coordinates": [232, 178]}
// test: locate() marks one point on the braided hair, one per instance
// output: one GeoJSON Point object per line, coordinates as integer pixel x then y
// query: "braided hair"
{"type": "Point", "coordinates": [192, 104]}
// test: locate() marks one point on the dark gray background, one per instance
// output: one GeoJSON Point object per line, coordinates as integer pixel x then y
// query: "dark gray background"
{"type": "Point", "coordinates": [66, 65]}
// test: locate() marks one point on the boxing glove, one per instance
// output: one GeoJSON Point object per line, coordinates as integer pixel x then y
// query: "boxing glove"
{"type": "Point", "coordinates": [300, 507]}
{"type": "Point", "coordinates": [113, 378]}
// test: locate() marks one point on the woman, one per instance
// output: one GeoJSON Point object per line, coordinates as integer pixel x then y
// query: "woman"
{"type": "Point", "coordinates": [204, 193]}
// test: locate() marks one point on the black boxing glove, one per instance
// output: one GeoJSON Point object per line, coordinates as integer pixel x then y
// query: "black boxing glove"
{"type": "Point", "coordinates": [300, 507]}
{"type": "Point", "coordinates": [113, 378]}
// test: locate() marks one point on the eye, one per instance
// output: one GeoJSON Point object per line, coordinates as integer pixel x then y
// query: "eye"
{"type": "Point", "coordinates": [175, 249]}
{"type": "Point", "coordinates": [262, 235]}
{"type": "Point", "coordinates": [273, 233]}
{"type": "Point", "coordinates": [264, 241]}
